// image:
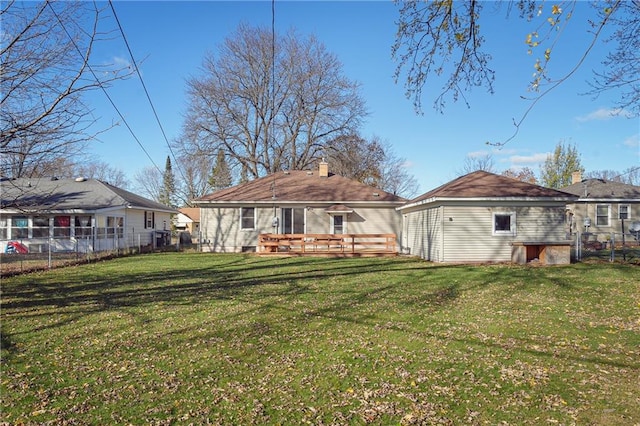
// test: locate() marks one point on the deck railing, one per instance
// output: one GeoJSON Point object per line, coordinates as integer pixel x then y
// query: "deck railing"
{"type": "Point", "coordinates": [328, 244]}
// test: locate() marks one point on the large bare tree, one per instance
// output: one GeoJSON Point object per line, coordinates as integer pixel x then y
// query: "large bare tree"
{"type": "Point", "coordinates": [46, 70]}
{"type": "Point", "coordinates": [373, 162]}
{"type": "Point", "coordinates": [196, 169]}
{"type": "Point", "coordinates": [148, 182]}
{"type": "Point", "coordinates": [354, 157]}
{"type": "Point", "coordinates": [442, 39]}
{"type": "Point", "coordinates": [271, 102]}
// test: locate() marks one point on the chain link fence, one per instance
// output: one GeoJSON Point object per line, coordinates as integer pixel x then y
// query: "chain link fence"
{"type": "Point", "coordinates": [30, 254]}
{"type": "Point", "coordinates": [607, 246]}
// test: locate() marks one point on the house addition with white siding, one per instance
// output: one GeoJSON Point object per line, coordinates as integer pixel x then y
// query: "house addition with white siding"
{"type": "Point", "coordinates": [83, 215]}
{"type": "Point", "coordinates": [483, 217]}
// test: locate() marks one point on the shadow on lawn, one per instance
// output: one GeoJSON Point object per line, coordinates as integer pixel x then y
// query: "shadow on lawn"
{"type": "Point", "coordinates": [173, 283]}
{"type": "Point", "coordinates": [266, 285]}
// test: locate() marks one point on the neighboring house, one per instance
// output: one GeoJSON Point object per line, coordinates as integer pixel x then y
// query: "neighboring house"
{"type": "Point", "coordinates": [604, 205]}
{"type": "Point", "coordinates": [483, 217]}
{"type": "Point", "coordinates": [294, 202]}
{"type": "Point", "coordinates": [188, 220]}
{"type": "Point", "coordinates": [78, 214]}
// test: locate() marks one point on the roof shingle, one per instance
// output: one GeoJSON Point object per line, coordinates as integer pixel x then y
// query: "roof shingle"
{"type": "Point", "coordinates": [602, 189]}
{"type": "Point", "coordinates": [482, 184]}
{"type": "Point", "coordinates": [301, 186]}
{"type": "Point", "coordinates": [68, 194]}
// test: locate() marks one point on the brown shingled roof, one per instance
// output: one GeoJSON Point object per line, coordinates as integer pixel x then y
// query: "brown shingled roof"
{"type": "Point", "coordinates": [192, 213]}
{"type": "Point", "coordinates": [300, 185]}
{"type": "Point", "coordinates": [481, 184]}
{"type": "Point", "coordinates": [602, 189]}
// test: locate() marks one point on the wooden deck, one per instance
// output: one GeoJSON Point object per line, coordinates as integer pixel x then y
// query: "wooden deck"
{"type": "Point", "coordinates": [345, 245]}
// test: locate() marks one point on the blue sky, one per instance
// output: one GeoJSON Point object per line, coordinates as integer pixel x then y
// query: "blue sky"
{"type": "Point", "coordinates": [170, 39]}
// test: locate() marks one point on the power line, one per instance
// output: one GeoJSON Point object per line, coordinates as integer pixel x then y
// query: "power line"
{"type": "Point", "coordinates": [631, 170]}
{"type": "Point", "coordinates": [137, 70]}
{"type": "Point", "coordinates": [104, 90]}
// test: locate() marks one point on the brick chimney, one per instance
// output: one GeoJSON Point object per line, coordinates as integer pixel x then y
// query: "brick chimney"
{"type": "Point", "coordinates": [576, 177]}
{"type": "Point", "coordinates": [323, 170]}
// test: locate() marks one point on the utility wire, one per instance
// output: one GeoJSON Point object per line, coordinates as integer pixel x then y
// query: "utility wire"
{"type": "Point", "coordinates": [103, 88]}
{"type": "Point", "coordinates": [135, 65]}
{"type": "Point", "coordinates": [631, 170]}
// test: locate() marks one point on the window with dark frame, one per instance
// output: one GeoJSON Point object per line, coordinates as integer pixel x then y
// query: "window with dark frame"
{"type": "Point", "coordinates": [83, 226]}
{"type": "Point", "coordinates": [624, 211]}
{"type": "Point", "coordinates": [338, 224]}
{"type": "Point", "coordinates": [62, 226]}
{"type": "Point", "coordinates": [40, 227]}
{"type": "Point", "coordinates": [149, 220]}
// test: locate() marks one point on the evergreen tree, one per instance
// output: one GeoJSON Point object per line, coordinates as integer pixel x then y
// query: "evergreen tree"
{"type": "Point", "coordinates": [220, 174]}
{"type": "Point", "coordinates": [557, 168]}
{"type": "Point", "coordinates": [168, 191]}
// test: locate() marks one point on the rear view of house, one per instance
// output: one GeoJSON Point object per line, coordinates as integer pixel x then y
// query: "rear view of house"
{"type": "Point", "coordinates": [294, 202]}
{"type": "Point", "coordinates": [483, 217]}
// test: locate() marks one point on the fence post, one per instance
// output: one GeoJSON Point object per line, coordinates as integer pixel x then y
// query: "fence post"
{"type": "Point", "coordinates": [49, 261]}
{"type": "Point", "coordinates": [578, 246]}
{"type": "Point", "coordinates": [613, 246]}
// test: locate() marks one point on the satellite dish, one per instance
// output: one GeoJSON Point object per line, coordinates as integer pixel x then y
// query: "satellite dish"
{"type": "Point", "coordinates": [635, 226]}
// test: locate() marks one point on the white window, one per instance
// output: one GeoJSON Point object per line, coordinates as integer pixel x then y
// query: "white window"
{"type": "Point", "coordinates": [504, 223]}
{"type": "Point", "coordinates": [248, 218]}
{"type": "Point", "coordinates": [603, 213]}
{"type": "Point", "coordinates": [3, 228]}
{"type": "Point", "coordinates": [19, 227]}
{"type": "Point", "coordinates": [624, 211]}
{"type": "Point", "coordinates": [115, 226]}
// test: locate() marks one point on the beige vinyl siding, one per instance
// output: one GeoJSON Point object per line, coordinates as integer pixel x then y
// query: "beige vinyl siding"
{"type": "Point", "coordinates": [468, 235]}
{"type": "Point", "coordinates": [363, 220]}
{"type": "Point", "coordinates": [375, 220]}
{"type": "Point", "coordinates": [464, 231]}
{"type": "Point", "coordinates": [588, 209]}
{"type": "Point", "coordinates": [220, 226]}
{"type": "Point", "coordinates": [541, 223]}
{"type": "Point", "coordinates": [424, 233]}
{"type": "Point", "coordinates": [316, 220]}
{"type": "Point", "coordinates": [468, 231]}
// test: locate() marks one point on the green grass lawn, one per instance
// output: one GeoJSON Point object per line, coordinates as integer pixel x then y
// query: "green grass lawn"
{"type": "Point", "coordinates": [178, 338]}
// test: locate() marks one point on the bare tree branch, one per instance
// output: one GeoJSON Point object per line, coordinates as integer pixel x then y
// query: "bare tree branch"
{"type": "Point", "coordinates": [45, 74]}
{"type": "Point", "coordinates": [264, 125]}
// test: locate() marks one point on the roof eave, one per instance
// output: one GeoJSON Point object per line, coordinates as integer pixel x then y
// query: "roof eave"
{"type": "Point", "coordinates": [433, 200]}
